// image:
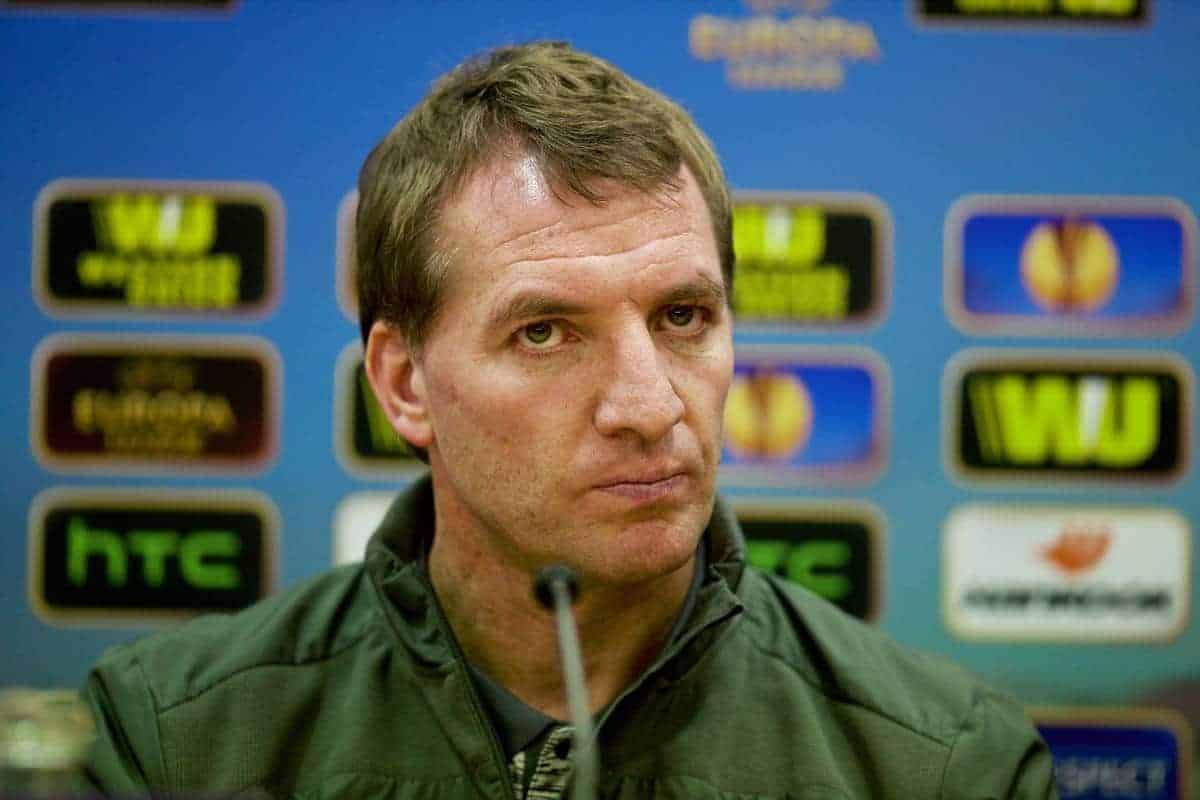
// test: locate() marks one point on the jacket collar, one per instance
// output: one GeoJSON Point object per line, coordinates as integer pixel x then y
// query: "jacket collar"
{"type": "Point", "coordinates": [396, 558]}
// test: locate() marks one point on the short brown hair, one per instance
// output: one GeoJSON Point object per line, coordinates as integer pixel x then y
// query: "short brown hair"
{"type": "Point", "coordinates": [578, 115]}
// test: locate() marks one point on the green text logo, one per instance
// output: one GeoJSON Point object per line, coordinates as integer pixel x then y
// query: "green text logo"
{"type": "Point", "coordinates": [819, 565]}
{"type": "Point", "coordinates": [202, 556]}
{"type": "Point", "coordinates": [831, 551]}
{"type": "Point", "coordinates": [121, 555]}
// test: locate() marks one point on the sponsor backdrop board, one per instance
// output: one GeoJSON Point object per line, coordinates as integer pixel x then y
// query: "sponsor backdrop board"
{"type": "Point", "coordinates": [1119, 753]}
{"type": "Point", "coordinates": [968, 288]}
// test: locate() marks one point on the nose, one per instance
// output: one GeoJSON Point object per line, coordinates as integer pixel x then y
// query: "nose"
{"type": "Point", "coordinates": [636, 394]}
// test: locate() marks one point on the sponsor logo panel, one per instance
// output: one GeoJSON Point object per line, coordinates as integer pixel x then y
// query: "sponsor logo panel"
{"type": "Point", "coordinates": [784, 44]}
{"type": "Point", "coordinates": [354, 521]}
{"type": "Point", "coordinates": [1118, 753]}
{"type": "Point", "coordinates": [805, 414]}
{"type": "Point", "coordinates": [155, 248]}
{"type": "Point", "coordinates": [364, 439]}
{"type": "Point", "coordinates": [1082, 416]}
{"type": "Point", "coordinates": [125, 556]}
{"type": "Point", "coordinates": [1070, 266]}
{"type": "Point", "coordinates": [154, 404]}
{"type": "Point", "coordinates": [1079, 574]}
{"type": "Point", "coordinates": [810, 259]}
{"type": "Point", "coordinates": [835, 550]}
{"type": "Point", "coordinates": [1034, 12]}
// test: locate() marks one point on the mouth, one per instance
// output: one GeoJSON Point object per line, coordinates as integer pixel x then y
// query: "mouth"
{"type": "Point", "coordinates": [646, 487]}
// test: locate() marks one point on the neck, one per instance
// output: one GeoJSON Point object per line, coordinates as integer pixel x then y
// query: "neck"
{"type": "Point", "coordinates": [504, 632]}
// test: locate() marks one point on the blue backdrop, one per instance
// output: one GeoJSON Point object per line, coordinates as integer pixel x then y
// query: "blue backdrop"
{"type": "Point", "coordinates": [294, 95]}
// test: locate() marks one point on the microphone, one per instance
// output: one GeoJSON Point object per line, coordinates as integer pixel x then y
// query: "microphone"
{"type": "Point", "coordinates": [556, 588]}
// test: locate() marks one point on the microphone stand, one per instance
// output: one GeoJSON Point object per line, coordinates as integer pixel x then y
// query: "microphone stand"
{"type": "Point", "coordinates": [556, 588]}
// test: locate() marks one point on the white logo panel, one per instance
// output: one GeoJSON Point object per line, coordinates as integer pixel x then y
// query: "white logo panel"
{"type": "Point", "coordinates": [1070, 574]}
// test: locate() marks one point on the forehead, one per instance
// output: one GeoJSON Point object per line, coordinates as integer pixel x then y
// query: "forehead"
{"type": "Point", "coordinates": [506, 216]}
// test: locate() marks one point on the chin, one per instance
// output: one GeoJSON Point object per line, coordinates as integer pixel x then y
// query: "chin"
{"type": "Point", "coordinates": [646, 551]}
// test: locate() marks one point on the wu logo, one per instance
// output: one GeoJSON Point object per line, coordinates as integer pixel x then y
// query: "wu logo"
{"type": "Point", "coordinates": [780, 235]}
{"type": "Point", "coordinates": [1054, 419]}
{"type": "Point", "coordinates": [1090, 420]}
{"type": "Point", "coordinates": [809, 259]}
{"type": "Point", "coordinates": [156, 224]}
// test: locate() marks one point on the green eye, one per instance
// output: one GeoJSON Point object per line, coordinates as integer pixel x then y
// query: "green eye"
{"type": "Point", "coordinates": [539, 332]}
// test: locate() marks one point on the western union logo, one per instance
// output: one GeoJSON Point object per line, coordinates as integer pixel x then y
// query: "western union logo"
{"type": "Point", "coordinates": [1023, 420]}
{"type": "Point", "coordinates": [159, 225]}
{"type": "Point", "coordinates": [156, 250]}
{"type": "Point", "coordinates": [808, 259]}
{"type": "Point", "coordinates": [156, 247]}
{"type": "Point", "coordinates": [1105, 418]}
{"type": "Point", "coordinates": [780, 251]}
{"type": "Point", "coordinates": [1095, 12]}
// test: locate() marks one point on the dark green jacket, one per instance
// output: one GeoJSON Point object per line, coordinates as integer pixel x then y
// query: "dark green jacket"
{"type": "Point", "coordinates": [351, 685]}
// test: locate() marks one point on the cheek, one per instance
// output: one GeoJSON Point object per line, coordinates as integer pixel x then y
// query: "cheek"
{"type": "Point", "coordinates": [704, 395]}
{"type": "Point", "coordinates": [485, 418]}
{"type": "Point", "coordinates": [706, 383]}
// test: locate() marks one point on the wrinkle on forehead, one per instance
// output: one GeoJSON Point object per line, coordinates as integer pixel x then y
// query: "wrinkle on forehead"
{"type": "Point", "coordinates": [485, 202]}
{"type": "Point", "coordinates": [663, 241]}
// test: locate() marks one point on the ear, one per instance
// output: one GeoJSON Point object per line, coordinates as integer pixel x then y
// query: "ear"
{"type": "Point", "coordinates": [399, 383]}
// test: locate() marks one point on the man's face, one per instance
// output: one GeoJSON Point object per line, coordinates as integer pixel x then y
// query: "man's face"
{"type": "Point", "coordinates": [576, 374]}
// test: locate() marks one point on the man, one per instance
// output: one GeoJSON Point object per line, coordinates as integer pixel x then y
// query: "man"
{"type": "Point", "coordinates": [545, 266]}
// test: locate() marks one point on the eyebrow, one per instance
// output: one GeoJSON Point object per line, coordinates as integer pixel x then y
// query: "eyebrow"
{"type": "Point", "coordinates": [531, 306]}
{"type": "Point", "coordinates": [702, 288]}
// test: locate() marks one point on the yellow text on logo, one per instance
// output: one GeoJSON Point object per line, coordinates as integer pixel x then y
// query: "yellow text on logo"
{"type": "Point", "coordinates": [165, 422]}
{"type": "Point", "coordinates": [796, 52]}
{"type": "Point", "coordinates": [1106, 421]}
{"type": "Point", "coordinates": [157, 249]}
{"type": "Point", "coordinates": [780, 270]}
{"type": "Point", "coordinates": [1114, 8]}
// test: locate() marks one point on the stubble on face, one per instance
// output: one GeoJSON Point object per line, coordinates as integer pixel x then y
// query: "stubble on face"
{"type": "Point", "coordinates": [575, 418]}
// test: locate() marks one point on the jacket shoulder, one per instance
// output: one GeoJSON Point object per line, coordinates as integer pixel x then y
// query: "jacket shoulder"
{"type": "Point", "coordinates": [851, 662]}
{"type": "Point", "coordinates": [309, 622]}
